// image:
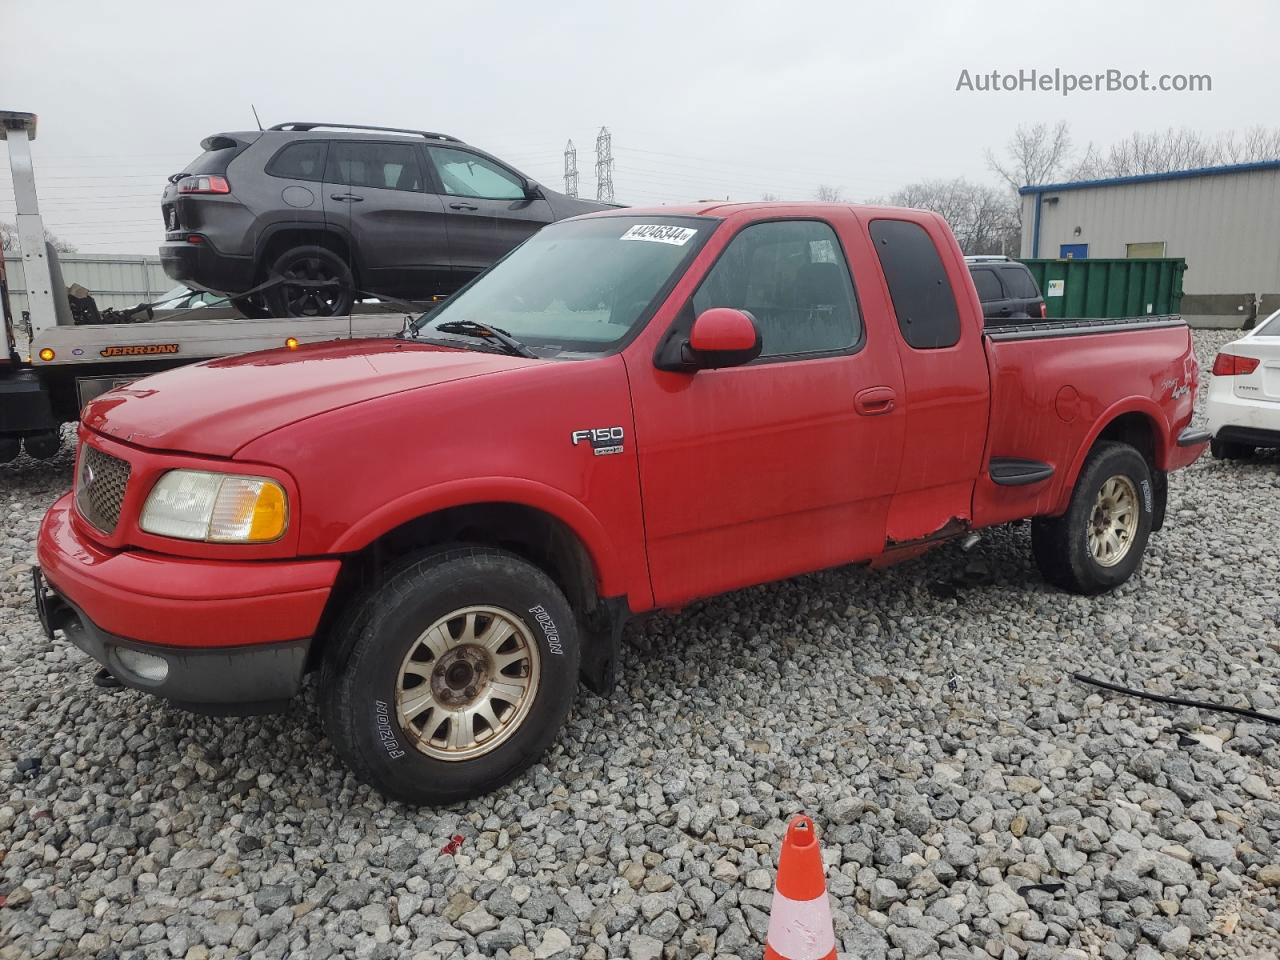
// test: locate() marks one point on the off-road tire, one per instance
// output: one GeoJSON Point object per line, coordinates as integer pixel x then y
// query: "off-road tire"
{"type": "Point", "coordinates": [360, 673]}
{"type": "Point", "coordinates": [1227, 450]}
{"type": "Point", "coordinates": [1060, 545]}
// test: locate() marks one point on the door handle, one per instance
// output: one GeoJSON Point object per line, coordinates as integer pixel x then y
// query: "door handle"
{"type": "Point", "coordinates": [463, 206]}
{"type": "Point", "coordinates": [875, 401]}
{"type": "Point", "coordinates": [350, 197]}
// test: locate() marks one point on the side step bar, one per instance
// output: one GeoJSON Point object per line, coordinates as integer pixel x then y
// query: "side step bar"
{"type": "Point", "coordinates": [1016, 472]}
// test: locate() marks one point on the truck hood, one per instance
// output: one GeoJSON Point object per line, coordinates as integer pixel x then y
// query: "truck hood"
{"type": "Point", "coordinates": [215, 408]}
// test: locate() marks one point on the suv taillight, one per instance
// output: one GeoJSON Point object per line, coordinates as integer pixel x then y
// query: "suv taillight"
{"type": "Point", "coordinates": [202, 184]}
{"type": "Point", "coordinates": [1229, 365]}
{"type": "Point", "coordinates": [1044, 311]}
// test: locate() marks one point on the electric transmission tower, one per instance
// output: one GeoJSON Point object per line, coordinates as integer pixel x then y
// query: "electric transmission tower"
{"type": "Point", "coordinates": [570, 170]}
{"type": "Point", "coordinates": [604, 165]}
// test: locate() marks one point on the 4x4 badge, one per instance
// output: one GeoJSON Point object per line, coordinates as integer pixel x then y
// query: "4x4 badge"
{"type": "Point", "coordinates": [603, 440]}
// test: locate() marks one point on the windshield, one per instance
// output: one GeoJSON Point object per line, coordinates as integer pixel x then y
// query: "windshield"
{"type": "Point", "coordinates": [578, 286]}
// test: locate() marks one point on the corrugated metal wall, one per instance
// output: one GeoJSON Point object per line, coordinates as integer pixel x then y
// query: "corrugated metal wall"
{"type": "Point", "coordinates": [1226, 226]}
{"type": "Point", "coordinates": [120, 280]}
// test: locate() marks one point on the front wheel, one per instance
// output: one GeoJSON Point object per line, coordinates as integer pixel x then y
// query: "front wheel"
{"type": "Point", "coordinates": [456, 675]}
{"type": "Point", "coordinates": [1099, 542]}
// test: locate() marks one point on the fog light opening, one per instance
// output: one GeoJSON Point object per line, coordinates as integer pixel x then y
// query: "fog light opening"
{"type": "Point", "coordinates": [144, 666]}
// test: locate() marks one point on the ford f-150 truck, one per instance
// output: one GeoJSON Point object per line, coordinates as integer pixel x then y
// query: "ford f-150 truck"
{"type": "Point", "coordinates": [632, 410]}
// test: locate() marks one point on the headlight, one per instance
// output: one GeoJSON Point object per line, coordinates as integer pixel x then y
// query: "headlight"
{"type": "Point", "coordinates": [195, 505]}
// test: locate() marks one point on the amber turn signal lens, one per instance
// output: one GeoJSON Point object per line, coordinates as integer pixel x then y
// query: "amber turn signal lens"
{"type": "Point", "coordinates": [46, 354]}
{"type": "Point", "coordinates": [291, 343]}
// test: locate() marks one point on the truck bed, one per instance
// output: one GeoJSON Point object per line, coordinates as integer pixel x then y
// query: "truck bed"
{"type": "Point", "coordinates": [1047, 402]}
{"type": "Point", "coordinates": [998, 329]}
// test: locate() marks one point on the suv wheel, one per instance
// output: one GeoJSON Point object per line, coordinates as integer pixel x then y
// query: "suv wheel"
{"type": "Point", "coordinates": [452, 677]}
{"type": "Point", "coordinates": [317, 283]}
{"type": "Point", "coordinates": [252, 307]}
{"type": "Point", "coordinates": [1099, 542]}
{"type": "Point", "coordinates": [1227, 450]}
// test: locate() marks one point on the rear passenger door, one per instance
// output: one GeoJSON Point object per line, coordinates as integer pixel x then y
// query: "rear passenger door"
{"type": "Point", "coordinates": [944, 366]}
{"type": "Point", "coordinates": [375, 191]}
{"type": "Point", "coordinates": [488, 209]}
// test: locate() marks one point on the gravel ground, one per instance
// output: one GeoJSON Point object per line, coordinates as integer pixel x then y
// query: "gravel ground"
{"type": "Point", "coordinates": [974, 801]}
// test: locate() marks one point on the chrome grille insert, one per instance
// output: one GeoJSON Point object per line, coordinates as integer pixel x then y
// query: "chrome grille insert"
{"type": "Point", "coordinates": [100, 486]}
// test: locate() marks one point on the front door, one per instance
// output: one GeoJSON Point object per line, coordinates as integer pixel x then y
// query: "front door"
{"type": "Point", "coordinates": [376, 191]}
{"type": "Point", "coordinates": [786, 464]}
{"type": "Point", "coordinates": [489, 212]}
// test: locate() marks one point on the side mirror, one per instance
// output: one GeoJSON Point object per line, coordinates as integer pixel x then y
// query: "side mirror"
{"type": "Point", "coordinates": [532, 191]}
{"type": "Point", "coordinates": [724, 337]}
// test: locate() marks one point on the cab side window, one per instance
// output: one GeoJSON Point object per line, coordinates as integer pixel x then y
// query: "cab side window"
{"type": "Point", "coordinates": [302, 160]}
{"type": "Point", "coordinates": [918, 284]}
{"type": "Point", "coordinates": [792, 277]}
{"type": "Point", "coordinates": [465, 174]}
{"type": "Point", "coordinates": [387, 166]}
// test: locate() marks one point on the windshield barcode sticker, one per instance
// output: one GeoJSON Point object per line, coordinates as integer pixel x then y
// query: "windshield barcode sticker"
{"type": "Point", "coordinates": [660, 233]}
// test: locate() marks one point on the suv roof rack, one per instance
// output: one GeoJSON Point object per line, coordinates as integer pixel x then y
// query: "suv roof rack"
{"type": "Point", "coordinates": [987, 258]}
{"type": "Point", "coordinates": [294, 125]}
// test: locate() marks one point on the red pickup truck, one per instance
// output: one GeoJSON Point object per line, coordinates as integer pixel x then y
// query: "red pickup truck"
{"type": "Point", "coordinates": [632, 410]}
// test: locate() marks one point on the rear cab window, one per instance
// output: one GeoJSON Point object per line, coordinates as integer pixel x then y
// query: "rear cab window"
{"type": "Point", "coordinates": [1018, 281]}
{"type": "Point", "coordinates": [918, 284]}
{"type": "Point", "coordinates": [219, 151]}
{"type": "Point", "coordinates": [1270, 328]}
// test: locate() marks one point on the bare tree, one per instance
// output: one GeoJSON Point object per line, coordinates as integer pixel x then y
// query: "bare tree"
{"type": "Point", "coordinates": [9, 239]}
{"type": "Point", "coordinates": [828, 194]}
{"type": "Point", "coordinates": [768, 197]}
{"type": "Point", "coordinates": [1034, 154]}
{"type": "Point", "coordinates": [1164, 151]}
{"type": "Point", "coordinates": [983, 217]}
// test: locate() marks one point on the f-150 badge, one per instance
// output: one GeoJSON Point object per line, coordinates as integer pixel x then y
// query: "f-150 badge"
{"type": "Point", "coordinates": [603, 440]}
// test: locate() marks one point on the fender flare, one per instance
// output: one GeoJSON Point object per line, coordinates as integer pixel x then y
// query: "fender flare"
{"type": "Point", "coordinates": [460, 493]}
{"type": "Point", "coordinates": [1142, 405]}
{"type": "Point", "coordinates": [281, 226]}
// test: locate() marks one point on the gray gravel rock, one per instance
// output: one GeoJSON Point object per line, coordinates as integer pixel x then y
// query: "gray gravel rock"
{"type": "Point", "coordinates": [973, 800]}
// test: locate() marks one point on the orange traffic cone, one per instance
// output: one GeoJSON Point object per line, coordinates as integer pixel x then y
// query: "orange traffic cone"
{"type": "Point", "coordinates": [800, 925]}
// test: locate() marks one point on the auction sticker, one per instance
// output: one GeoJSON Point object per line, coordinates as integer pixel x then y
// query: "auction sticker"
{"type": "Point", "coordinates": [660, 233]}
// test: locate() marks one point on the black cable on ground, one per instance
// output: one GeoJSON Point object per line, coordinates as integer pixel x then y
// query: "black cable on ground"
{"type": "Point", "coordinates": [1178, 701]}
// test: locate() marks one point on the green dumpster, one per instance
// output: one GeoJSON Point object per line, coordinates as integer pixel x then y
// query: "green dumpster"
{"type": "Point", "coordinates": [1110, 288]}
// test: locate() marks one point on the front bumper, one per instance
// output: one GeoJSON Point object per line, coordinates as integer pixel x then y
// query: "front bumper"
{"type": "Point", "coordinates": [231, 633]}
{"type": "Point", "coordinates": [240, 680]}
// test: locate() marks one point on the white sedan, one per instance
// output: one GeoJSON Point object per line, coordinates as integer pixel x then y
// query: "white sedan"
{"type": "Point", "coordinates": [1244, 394]}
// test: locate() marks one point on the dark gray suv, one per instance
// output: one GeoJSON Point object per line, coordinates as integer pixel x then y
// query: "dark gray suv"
{"type": "Point", "coordinates": [342, 211]}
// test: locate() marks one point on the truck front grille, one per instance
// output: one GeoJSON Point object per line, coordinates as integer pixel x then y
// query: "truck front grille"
{"type": "Point", "coordinates": [100, 486]}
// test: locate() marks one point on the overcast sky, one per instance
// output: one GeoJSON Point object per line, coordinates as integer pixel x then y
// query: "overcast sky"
{"type": "Point", "coordinates": [704, 99]}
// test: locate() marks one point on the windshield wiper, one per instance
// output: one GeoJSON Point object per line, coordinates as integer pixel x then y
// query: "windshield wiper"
{"type": "Point", "coordinates": [473, 328]}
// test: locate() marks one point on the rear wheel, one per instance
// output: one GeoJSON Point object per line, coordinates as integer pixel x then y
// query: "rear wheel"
{"type": "Point", "coordinates": [456, 675]}
{"type": "Point", "coordinates": [1227, 450]}
{"type": "Point", "coordinates": [316, 283]}
{"type": "Point", "coordinates": [252, 307]}
{"type": "Point", "coordinates": [1099, 542]}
